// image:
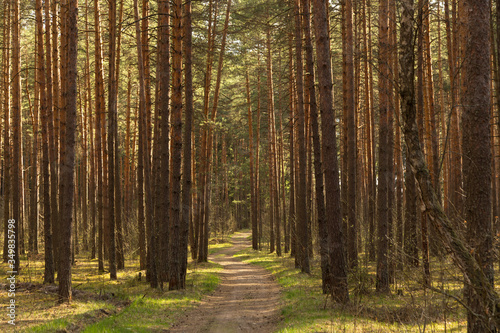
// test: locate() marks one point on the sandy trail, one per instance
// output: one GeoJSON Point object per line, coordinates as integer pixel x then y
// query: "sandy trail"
{"type": "Point", "coordinates": [247, 300]}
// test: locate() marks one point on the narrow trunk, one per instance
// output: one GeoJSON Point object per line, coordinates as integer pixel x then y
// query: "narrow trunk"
{"type": "Point", "coordinates": [68, 163]}
{"type": "Point", "coordinates": [302, 229]}
{"type": "Point", "coordinates": [337, 282]}
{"type": "Point", "coordinates": [253, 203]}
{"type": "Point", "coordinates": [187, 140]}
{"type": "Point", "coordinates": [112, 118]}
{"type": "Point", "coordinates": [176, 144]}
{"type": "Point", "coordinates": [163, 111]}
{"type": "Point", "coordinates": [350, 108]}
{"type": "Point", "coordinates": [49, 260]}
{"type": "Point", "coordinates": [384, 174]}
{"type": "Point", "coordinates": [99, 111]}
{"type": "Point", "coordinates": [16, 127]}
{"type": "Point", "coordinates": [151, 269]}
{"type": "Point", "coordinates": [6, 141]}
{"type": "Point", "coordinates": [318, 171]}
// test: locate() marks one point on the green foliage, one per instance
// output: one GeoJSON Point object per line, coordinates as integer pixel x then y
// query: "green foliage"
{"type": "Point", "coordinates": [158, 310]}
{"type": "Point", "coordinates": [306, 309]}
{"type": "Point", "coordinates": [101, 305]}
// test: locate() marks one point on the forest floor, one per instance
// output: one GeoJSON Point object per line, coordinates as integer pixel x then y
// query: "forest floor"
{"type": "Point", "coordinates": [100, 305]}
{"type": "Point", "coordinates": [247, 299]}
{"type": "Point", "coordinates": [410, 307]}
{"type": "Point", "coordinates": [238, 290]}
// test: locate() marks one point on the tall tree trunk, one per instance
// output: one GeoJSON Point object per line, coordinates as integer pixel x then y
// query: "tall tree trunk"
{"type": "Point", "coordinates": [253, 202]}
{"type": "Point", "coordinates": [99, 111]}
{"type": "Point", "coordinates": [477, 154]}
{"type": "Point", "coordinates": [120, 256]}
{"type": "Point", "coordinates": [175, 281]}
{"type": "Point", "coordinates": [49, 260]}
{"type": "Point", "coordinates": [151, 269]}
{"type": "Point", "coordinates": [68, 163]}
{"type": "Point", "coordinates": [371, 131]}
{"type": "Point", "coordinates": [257, 157]}
{"type": "Point", "coordinates": [384, 174]}
{"type": "Point", "coordinates": [291, 208]}
{"type": "Point", "coordinates": [6, 142]}
{"type": "Point", "coordinates": [273, 174]}
{"type": "Point", "coordinates": [33, 211]}
{"type": "Point", "coordinates": [16, 127]}
{"type": "Point", "coordinates": [350, 108]}
{"type": "Point", "coordinates": [421, 113]}
{"type": "Point", "coordinates": [302, 229]}
{"type": "Point", "coordinates": [162, 209]}
{"type": "Point", "coordinates": [338, 281]}
{"type": "Point", "coordinates": [318, 171]}
{"type": "Point", "coordinates": [397, 253]}
{"type": "Point", "coordinates": [187, 140]}
{"type": "Point", "coordinates": [112, 118]}
{"type": "Point", "coordinates": [127, 159]}
{"type": "Point", "coordinates": [54, 126]}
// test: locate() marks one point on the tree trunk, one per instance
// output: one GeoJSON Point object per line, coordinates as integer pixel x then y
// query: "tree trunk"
{"type": "Point", "coordinates": [350, 108]}
{"type": "Point", "coordinates": [33, 211]}
{"type": "Point", "coordinates": [187, 141]}
{"type": "Point", "coordinates": [49, 260]}
{"type": "Point", "coordinates": [112, 140]}
{"type": "Point", "coordinates": [151, 267]}
{"type": "Point", "coordinates": [421, 120]}
{"type": "Point", "coordinates": [253, 202]}
{"type": "Point", "coordinates": [16, 127]}
{"type": "Point", "coordinates": [275, 244]}
{"type": "Point", "coordinates": [99, 111]}
{"type": "Point", "coordinates": [120, 256]}
{"type": "Point", "coordinates": [338, 280]}
{"type": "Point", "coordinates": [68, 163]}
{"type": "Point", "coordinates": [302, 229]}
{"type": "Point", "coordinates": [162, 209]}
{"type": "Point", "coordinates": [289, 235]}
{"type": "Point", "coordinates": [176, 121]}
{"type": "Point", "coordinates": [318, 171]}
{"type": "Point", "coordinates": [476, 148]}
{"type": "Point", "coordinates": [257, 157]}
{"type": "Point", "coordinates": [6, 142]}
{"type": "Point", "coordinates": [384, 174]}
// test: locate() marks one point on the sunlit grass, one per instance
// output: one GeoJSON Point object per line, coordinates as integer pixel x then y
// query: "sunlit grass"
{"type": "Point", "coordinates": [158, 309]}
{"type": "Point", "coordinates": [306, 309]}
{"type": "Point", "coordinates": [101, 305]}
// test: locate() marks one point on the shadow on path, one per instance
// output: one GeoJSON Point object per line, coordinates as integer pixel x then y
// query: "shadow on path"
{"type": "Point", "coordinates": [247, 300]}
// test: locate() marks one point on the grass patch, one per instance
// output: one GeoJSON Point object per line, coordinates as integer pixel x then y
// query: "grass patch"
{"type": "Point", "coordinates": [101, 305]}
{"type": "Point", "coordinates": [156, 309]}
{"type": "Point", "coordinates": [216, 244]}
{"type": "Point", "coordinates": [409, 308]}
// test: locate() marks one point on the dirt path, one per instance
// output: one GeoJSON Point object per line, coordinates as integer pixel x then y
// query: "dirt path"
{"type": "Point", "coordinates": [247, 300]}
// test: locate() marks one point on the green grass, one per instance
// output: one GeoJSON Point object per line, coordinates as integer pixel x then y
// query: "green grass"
{"type": "Point", "coordinates": [156, 310]}
{"type": "Point", "coordinates": [101, 305]}
{"type": "Point", "coordinates": [303, 303]}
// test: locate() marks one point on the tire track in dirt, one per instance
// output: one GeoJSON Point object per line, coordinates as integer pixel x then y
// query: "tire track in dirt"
{"type": "Point", "coordinates": [247, 299]}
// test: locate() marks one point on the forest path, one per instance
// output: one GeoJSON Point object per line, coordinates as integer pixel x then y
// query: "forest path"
{"type": "Point", "coordinates": [247, 299]}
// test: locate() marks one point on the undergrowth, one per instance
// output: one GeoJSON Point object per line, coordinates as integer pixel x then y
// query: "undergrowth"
{"type": "Point", "coordinates": [409, 307]}
{"type": "Point", "coordinates": [100, 305]}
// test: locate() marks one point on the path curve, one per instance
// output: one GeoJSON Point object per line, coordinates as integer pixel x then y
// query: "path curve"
{"type": "Point", "coordinates": [247, 299]}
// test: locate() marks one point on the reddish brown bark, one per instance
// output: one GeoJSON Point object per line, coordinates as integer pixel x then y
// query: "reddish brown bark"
{"type": "Point", "coordinates": [337, 283]}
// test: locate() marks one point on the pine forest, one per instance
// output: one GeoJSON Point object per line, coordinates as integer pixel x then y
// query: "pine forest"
{"type": "Point", "coordinates": [250, 166]}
